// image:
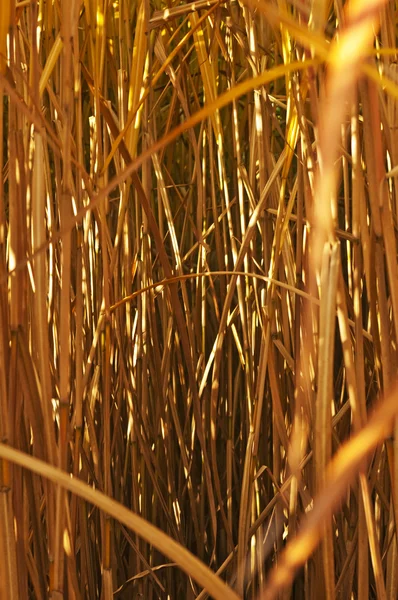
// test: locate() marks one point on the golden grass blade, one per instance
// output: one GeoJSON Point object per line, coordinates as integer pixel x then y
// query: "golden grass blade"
{"type": "Point", "coordinates": [137, 77]}
{"type": "Point", "coordinates": [323, 416]}
{"type": "Point", "coordinates": [50, 64]}
{"type": "Point", "coordinates": [346, 55]}
{"type": "Point", "coordinates": [40, 298]}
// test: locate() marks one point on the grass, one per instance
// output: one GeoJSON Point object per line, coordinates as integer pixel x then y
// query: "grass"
{"type": "Point", "coordinates": [199, 300]}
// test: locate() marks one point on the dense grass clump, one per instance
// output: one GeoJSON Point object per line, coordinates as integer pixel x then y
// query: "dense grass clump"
{"type": "Point", "coordinates": [198, 299]}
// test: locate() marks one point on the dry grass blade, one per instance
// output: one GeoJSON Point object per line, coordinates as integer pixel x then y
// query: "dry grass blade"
{"type": "Point", "coordinates": [323, 417]}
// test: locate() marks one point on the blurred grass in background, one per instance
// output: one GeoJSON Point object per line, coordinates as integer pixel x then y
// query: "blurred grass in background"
{"type": "Point", "coordinates": [198, 299]}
